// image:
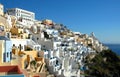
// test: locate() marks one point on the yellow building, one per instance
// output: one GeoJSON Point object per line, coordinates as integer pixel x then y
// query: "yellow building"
{"type": "Point", "coordinates": [15, 31]}
{"type": "Point", "coordinates": [4, 24]}
{"type": "Point", "coordinates": [2, 29]}
{"type": "Point", "coordinates": [29, 55]}
{"type": "Point", "coordinates": [24, 60]}
{"type": "Point", "coordinates": [23, 57]}
{"type": "Point", "coordinates": [1, 9]}
{"type": "Point", "coordinates": [18, 33]}
{"type": "Point", "coordinates": [47, 22]}
{"type": "Point", "coordinates": [1, 50]}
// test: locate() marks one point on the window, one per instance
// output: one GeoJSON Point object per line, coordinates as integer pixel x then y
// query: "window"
{"type": "Point", "coordinates": [1, 28]}
{"type": "Point", "coordinates": [21, 32]}
{"type": "Point", "coordinates": [21, 47]}
{"type": "Point", "coordinates": [37, 48]}
{"type": "Point", "coordinates": [37, 38]}
{"type": "Point", "coordinates": [4, 57]}
{"type": "Point", "coordinates": [8, 35]}
{"type": "Point", "coordinates": [13, 44]}
{"type": "Point", "coordinates": [21, 36]}
{"type": "Point", "coordinates": [10, 55]}
{"type": "Point", "coordinates": [7, 54]}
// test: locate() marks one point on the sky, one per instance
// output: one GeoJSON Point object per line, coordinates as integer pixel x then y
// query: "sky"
{"type": "Point", "coordinates": [99, 16]}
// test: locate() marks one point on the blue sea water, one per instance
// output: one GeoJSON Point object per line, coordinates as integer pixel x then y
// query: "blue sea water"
{"type": "Point", "coordinates": [114, 47]}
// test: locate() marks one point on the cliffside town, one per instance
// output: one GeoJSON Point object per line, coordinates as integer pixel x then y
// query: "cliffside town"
{"type": "Point", "coordinates": [42, 48]}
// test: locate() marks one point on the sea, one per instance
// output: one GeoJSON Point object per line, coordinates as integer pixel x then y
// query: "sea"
{"type": "Point", "coordinates": [115, 48]}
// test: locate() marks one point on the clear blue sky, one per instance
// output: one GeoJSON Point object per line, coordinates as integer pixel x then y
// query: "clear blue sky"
{"type": "Point", "coordinates": [99, 16]}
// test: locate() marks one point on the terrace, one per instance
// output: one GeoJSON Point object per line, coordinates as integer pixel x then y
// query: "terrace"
{"type": "Point", "coordinates": [13, 71]}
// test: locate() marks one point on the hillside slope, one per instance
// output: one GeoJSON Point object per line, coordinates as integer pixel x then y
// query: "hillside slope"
{"type": "Point", "coordinates": [104, 64]}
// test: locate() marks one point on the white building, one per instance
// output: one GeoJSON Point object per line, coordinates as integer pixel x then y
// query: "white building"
{"type": "Point", "coordinates": [8, 19]}
{"type": "Point", "coordinates": [1, 9]}
{"type": "Point", "coordinates": [27, 42]}
{"type": "Point", "coordinates": [5, 49]}
{"type": "Point", "coordinates": [26, 17]}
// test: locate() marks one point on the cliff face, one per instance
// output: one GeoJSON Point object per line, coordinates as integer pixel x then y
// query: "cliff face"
{"type": "Point", "coordinates": [104, 64]}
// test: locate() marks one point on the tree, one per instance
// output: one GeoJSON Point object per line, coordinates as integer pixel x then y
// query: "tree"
{"type": "Point", "coordinates": [33, 62]}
